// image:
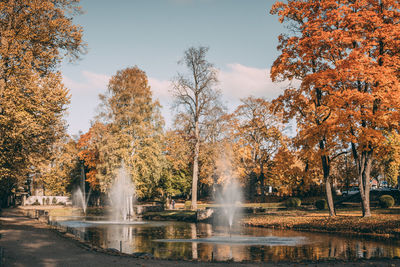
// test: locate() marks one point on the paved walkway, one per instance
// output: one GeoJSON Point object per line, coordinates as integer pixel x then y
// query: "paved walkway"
{"type": "Point", "coordinates": [28, 242]}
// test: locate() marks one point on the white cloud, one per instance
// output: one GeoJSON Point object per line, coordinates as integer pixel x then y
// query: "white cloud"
{"type": "Point", "coordinates": [161, 92]}
{"type": "Point", "coordinates": [84, 99]}
{"type": "Point", "coordinates": [161, 89]}
{"type": "Point", "coordinates": [240, 81]}
{"type": "Point", "coordinates": [90, 82]}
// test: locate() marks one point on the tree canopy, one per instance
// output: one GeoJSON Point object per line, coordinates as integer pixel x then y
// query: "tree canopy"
{"type": "Point", "coordinates": [35, 36]}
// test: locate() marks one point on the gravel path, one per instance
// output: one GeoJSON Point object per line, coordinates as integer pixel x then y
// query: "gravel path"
{"type": "Point", "coordinates": [28, 242]}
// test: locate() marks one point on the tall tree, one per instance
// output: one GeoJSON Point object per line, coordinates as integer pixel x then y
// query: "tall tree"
{"type": "Point", "coordinates": [258, 135]}
{"type": "Point", "coordinates": [195, 95]}
{"type": "Point", "coordinates": [134, 132]}
{"type": "Point", "coordinates": [303, 58]}
{"type": "Point", "coordinates": [347, 54]}
{"type": "Point", "coordinates": [35, 36]}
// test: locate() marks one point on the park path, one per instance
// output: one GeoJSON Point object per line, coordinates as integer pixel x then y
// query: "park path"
{"type": "Point", "coordinates": [28, 242]}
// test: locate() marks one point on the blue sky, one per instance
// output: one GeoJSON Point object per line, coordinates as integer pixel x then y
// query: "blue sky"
{"type": "Point", "coordinates": [153, 34]}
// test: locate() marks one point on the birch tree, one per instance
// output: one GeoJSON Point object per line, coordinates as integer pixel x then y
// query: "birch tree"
{"type": "Point", "coordinates": [196, 96]}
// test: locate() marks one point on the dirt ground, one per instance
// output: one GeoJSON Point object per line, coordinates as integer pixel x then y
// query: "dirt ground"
{"type": "Point", "coordinates": [29, 242]}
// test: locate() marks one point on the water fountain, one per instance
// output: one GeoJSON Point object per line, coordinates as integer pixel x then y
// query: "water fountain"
{"type": "Point", "coordinates": [230, 200]}
{"type": "Point", "coordinates": [122, 197]}
{"type": "Point", "coordinates": [229, 196]}
{"type": "Point", "coordinates": [80, 199]}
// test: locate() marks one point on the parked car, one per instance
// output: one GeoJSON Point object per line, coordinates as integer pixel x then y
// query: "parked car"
{"type": "Point", "coordinates": [386, 189]}
{"type": "Point", "coordinates": [351, 191]}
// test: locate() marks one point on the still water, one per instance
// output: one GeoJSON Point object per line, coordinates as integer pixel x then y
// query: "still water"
{"type": "Point", "coordinates": [205, 242]}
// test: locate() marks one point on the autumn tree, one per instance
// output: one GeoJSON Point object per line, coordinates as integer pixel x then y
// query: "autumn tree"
{"type": "Point", "coordinates": [291, 174]}
{"type": "Point", "coordinates": [176, 175]}
{"type": "Point", "coordinates": [196, 96]}
{"type": "Point", "coordinates": [346, 53]}
{"type": "Point", "coordinates": [58, 172]}
{"type": "Point", "coordinates": [134, 132]}
{"type": "Point", "coordinates": [370, 93]}
{"type": "Point", "coordinates": [308, 104]}
{"type": "Point", "coordinates": [35, 36]}
{"type": "Point", "coordinates": [258, 137]}
{"type": "Point", "coordinates": [302, 59]}
{"type": "Point", "coordinates": [88, 145]}
{"type": "Point", "coordinates": [389, 159]}
{"type": "Point", "coordinates": [88, 152]}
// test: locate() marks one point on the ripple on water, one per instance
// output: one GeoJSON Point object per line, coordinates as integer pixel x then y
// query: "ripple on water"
{"type": "Point", "coordinates": [245, 240]}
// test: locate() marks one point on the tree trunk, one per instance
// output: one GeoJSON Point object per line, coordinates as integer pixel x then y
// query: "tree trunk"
{"type": "Point", "coordinates": [262, 186]}
{"type": "Point", "coordinates": [327, 180]}
{"type": "Point", "coordinates": [329, 197]}
{"type": "Point", "coordinates": [195, 166]}
{"type": "Point", "coordinates": [261, 178]}
{"type": "Point", "coordinates": [364, 182]}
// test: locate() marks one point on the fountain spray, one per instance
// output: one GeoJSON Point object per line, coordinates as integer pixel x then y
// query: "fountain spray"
{"type": "Point", "coordinates": [122, 195]}
{"type": "Point", "coordinates": [230, 196]}
{"type": "Point", "coordinates": [80, 199]}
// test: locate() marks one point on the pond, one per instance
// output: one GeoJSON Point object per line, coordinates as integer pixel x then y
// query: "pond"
{"type": "Point", "coordinates": [207, 242]}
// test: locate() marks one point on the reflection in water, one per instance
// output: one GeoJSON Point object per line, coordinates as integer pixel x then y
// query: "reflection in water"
{"type": "Point", "coordinates": [193, 231]}
{"type": "Point", "coordinates": [252, 244]}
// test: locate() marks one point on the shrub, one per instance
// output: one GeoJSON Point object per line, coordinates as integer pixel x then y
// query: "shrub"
{"type": "Point", "coordinates": [321, 204]}
{"type": "Point", "coordinates": [293, 202]}
{"type": "Point", "coordinates": [36, 203]}
{"type": "Point", "coordinates": [188, 205]}
{"type": "Point", "coordinates": [54, 201]}
{"type": "Point", "coordinates": [386, 201]}
{"type": "Point", "coordinates": [47, 201]}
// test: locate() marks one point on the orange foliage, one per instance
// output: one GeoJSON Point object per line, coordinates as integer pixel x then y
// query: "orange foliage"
{"type": "Point", "coordinates": [346, 55]}
{"type": "Point", "coordinates": [89, 152]}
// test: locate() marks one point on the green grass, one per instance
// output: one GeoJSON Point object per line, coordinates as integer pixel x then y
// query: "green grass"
{"type": "Point", "coordinates": [64, 211]}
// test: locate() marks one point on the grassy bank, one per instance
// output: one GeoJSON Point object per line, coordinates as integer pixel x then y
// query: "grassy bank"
{"type": "Point", "coordinates": [382, 223]}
